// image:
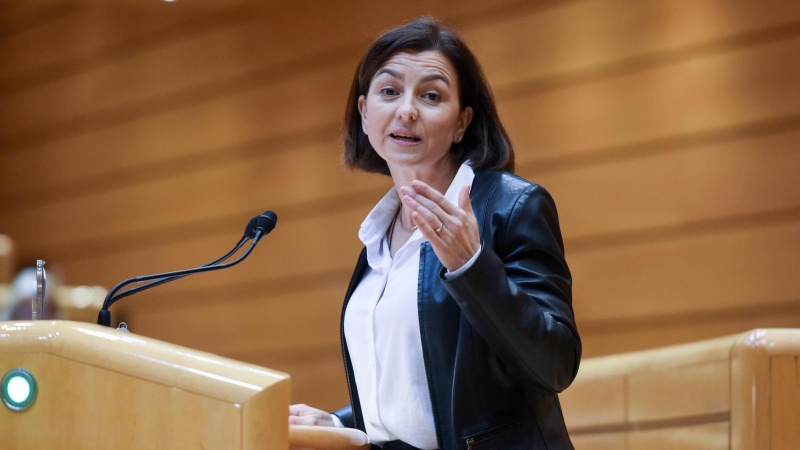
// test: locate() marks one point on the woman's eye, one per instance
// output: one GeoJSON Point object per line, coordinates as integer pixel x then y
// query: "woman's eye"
{"type": "Point", "coordinates": [389, 91]}
{"type": "Point", "coordinates": [431, 96]}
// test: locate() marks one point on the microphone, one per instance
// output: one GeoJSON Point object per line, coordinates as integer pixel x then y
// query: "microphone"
{"type": "Point", "coordinates": [256, 228]}
{"type": "Point", "coordinates": [265, 223]}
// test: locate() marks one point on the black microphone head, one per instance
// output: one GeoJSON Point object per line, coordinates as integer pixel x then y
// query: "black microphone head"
{"type": "Point", "coordinates": [266, 222]}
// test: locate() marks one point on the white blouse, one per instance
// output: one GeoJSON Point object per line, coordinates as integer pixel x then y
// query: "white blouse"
{"type": "Point", "coordinates": [381, 326]}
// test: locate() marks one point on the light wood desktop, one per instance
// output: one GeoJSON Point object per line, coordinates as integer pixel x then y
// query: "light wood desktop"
{"type": "Point", "coordinates": [103, 388]}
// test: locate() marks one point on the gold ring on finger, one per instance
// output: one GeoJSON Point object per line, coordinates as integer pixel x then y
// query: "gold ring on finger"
{"type": "Point", "coordinates": [440, 228]}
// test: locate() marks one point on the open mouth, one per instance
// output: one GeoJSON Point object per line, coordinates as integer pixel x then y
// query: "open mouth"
{"type": "Point", "coordinates": [405, 138]}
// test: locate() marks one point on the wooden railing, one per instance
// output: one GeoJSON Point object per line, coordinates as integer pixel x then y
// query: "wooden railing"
{"type": "Point", "coordinates": [739, 392]}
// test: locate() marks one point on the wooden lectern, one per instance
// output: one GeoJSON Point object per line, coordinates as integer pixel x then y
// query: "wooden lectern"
{"type": "Point", "coordinates": [101, 388]}
{"type": "Point", "coordinates": [739, 392]}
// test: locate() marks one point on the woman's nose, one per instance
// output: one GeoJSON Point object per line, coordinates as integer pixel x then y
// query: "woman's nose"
{"type": "Point", "coordinates": [407, 110]}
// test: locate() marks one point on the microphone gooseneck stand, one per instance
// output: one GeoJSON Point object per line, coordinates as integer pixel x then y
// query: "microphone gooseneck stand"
{"type": "Point", "coordinates": [168, 279]}
{"type": "Point", "coordinates": [257, 227]}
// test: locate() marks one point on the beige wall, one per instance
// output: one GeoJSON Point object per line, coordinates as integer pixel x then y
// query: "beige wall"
{"type": "Point", "coordinates": [140, 138]}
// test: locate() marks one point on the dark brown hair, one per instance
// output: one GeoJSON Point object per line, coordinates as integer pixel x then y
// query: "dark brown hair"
{"type": "Point", "coordinates": [485, 143]}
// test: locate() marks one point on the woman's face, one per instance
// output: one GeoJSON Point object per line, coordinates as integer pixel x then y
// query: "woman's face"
{"type": "Point", "coordinates": [412, 113]}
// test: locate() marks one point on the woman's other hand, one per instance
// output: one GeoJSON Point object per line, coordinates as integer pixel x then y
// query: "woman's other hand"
{"type": "Point", "coordinates": [305, 415]}
{"type": "Point", "coordinates": [451, 229]}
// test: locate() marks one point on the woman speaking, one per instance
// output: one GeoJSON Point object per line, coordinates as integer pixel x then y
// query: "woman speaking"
{"type": "Point", "coordinates": [457, 328]}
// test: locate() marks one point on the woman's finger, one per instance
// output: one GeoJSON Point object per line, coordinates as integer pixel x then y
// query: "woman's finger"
{"type": "Point", "coordinates": [301, 420]}
{"type": "Point", "coordinates": [463, 199]}
{"type": "Point", "coordinates": [426, 203]}
{"type": "Point", "coordinates": [425, 214]}
{"type": "Point", "coordinates": [435, 196]}
{"type": "Point", "coordinates": [427, 229]}
{"type": "Point", "coordinates": [454, 234]}
{"type": "Point", "coordinates": [301, 414]}
{"type": "Point", "coordinates": [298, 409]}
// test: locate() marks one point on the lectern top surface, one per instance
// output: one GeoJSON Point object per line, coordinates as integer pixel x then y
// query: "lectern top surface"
{"type": "Point", "coordinates": [141, 357]}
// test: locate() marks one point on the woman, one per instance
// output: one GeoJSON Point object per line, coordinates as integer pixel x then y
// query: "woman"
{"type": "Point", "coordinates": [458, 329]}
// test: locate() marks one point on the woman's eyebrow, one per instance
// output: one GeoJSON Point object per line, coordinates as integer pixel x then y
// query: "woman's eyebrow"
{"type": "Point", "coordinates": [425, 79]}
{"type": "Point", "coordinates": [435, 76]}
{"type": "Point", "coordinates": [389, 72]}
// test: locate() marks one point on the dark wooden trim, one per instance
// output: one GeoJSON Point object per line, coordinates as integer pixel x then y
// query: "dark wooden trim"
{"type": "Point", "coordinates": [57, 70]}
{"type": "Point", "coordinates": [701, 419]}
{"type": "Point", "coordinates": [9, 26]}
{"type": "Point", "coordinates": [508, 11]}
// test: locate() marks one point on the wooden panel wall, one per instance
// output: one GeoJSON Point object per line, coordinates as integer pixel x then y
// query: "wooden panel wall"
{"type": "Point", "coordinates": [139, 138]}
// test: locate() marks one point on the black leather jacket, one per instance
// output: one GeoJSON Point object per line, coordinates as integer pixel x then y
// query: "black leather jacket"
{"type": "Point", "coordinates": [500, 341]}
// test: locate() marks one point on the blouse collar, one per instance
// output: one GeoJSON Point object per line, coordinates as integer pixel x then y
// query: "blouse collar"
{"type": "Point", "coordinates": [374, 228]}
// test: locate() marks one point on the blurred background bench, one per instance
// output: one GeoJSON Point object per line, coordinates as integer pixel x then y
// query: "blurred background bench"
{"type": "Point", "coordinates": [739, 392]}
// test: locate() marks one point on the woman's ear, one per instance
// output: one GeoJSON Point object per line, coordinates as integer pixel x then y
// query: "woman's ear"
{"type": "Point", "coordinates": [464, 119]}
{"type": "Point", "coordinates": [362, 109]}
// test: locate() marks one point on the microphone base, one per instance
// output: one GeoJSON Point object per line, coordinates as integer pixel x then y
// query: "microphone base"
{"type": "Point", "coordinates": [104, 318]}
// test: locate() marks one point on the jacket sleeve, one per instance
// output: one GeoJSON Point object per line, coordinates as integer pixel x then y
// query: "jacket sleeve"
{"type": "Point", "coordinates": [346, 416]}
{"type": "Point", "coordinates": [518, 296]}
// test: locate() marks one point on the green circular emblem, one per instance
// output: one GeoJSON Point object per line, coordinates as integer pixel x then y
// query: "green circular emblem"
{"type": "Point", "coordinates": [18, 389]}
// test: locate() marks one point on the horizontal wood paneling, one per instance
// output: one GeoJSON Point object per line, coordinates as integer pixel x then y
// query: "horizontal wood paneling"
{"type": "Point", "coordinates": [194, 64]}
{"type": "Point", "coordinates": [197, 130]}
{"type": "Point", "coordinates": [666, 131]}
{"type": "Point", "coordinates": [600, 402]}
{"type": "Point", "coordinates": [586, 36]}
{"type": "Point", "coordinates": [192, 61]}
{"type": "Point", "coordinates": [263, 38]}
{"type": "Point", "coordinates": [230, 325]}
{"type": "Point", "coordinates": [778, 160]}
{"type": "Point", "coordinates": [730, 179]}
{"type": "Point", "coordinates": [176, 99]}
{"type": "Point", "coordinates": [611, 441]}
{"type": "Point", "coordinates": [682, 98]}
{"type": "Point", "coordinates": [606, 336]}
{"type": "Point", "coordinates": [693, 390]}
{"type": "Point", "coordinates": [698, 437]}
{"type": "Point", "coordinates": [637, 194]}
{"type": "Point", "coordinates": [784, 402]}
{"type": "Point", "coordinates": [269, 182]}
{"type": "Point", "coordinates": [15, 19]}
{"type": "Point", "coordinates": [221, 131]}
{"type": "Point", "coordinates": [324, 247]}
{"type": "Point", "coordinates": [695, 273]}
{"type": "Point", "coordinates": [73, 36]}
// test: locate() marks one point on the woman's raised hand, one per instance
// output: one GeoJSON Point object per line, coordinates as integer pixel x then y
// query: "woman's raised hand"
{"type": "Point", "coordinates": [451, 229]}
{"type": "Point", "coordinates": [305, 415]}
